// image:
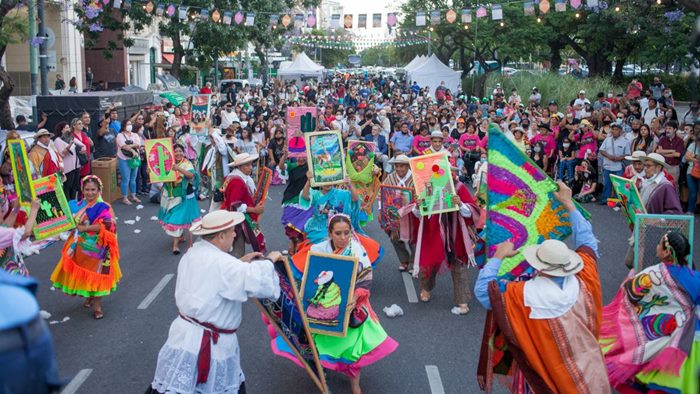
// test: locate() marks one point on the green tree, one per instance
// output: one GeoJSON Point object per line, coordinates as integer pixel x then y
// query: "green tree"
{"type": "Point", "coordinates": [380, 56]}
{"type": "Point", "coordinates": [330, 52]}
{"type": "Point", "coordinates": [13, 29]}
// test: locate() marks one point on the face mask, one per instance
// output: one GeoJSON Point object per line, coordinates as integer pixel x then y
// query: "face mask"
{"type": "Point", "coordinates": [618, 121]}
{"type": "Point", "coordinates": [566, 145]}
{"type": "Point", "coordinates": [171, 110]}
{"type": "Point", "coordinates": [610, 95]}
{"type": "Point", "coordinates": [129, 128]}
{"type": "Point", "coordinates": [229, 109]}
{"type": "Point", "coordinates": [667, 95]}
{"type": "Point", "coordinates": [537, 149]}
{"type": "Point", "coordinates": [483, 160]}
{"type": "Point", "coordinates": [607, 121]}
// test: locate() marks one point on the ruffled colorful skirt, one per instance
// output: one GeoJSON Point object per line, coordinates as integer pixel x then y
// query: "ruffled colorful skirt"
{"type": "Point", "coordinates": [374, 250]}
{"type": "Point", "coordinates": [293, 220]}
{"type": "Point", "coordinates": [180, 217]}
{"type": "Point", "coordinates": [89, 265]}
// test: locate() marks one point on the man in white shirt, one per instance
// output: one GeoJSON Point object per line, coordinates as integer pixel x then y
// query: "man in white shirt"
{"type": "Point", "coordinates": [652, 111]}
{"type": "Point", "coordinates": [228, 116]}
{"type": "Point", "coordinates": [580, 104]}
{"type": "Point", "coordinates": [614, 149]}
{"type": "Point", "coordinates": [201, 354]}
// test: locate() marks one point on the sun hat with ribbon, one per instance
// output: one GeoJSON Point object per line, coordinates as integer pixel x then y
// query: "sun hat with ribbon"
{"type": "Point", "coordinates": [656, 158]}
{"type": "Point", "coordinates": [243, 158]}
{"type": "Point", "coordinates": [217, 221]}
{"type": "Point", "coordinates": [637, 155]}
{"type": "Point", "coordinates": [41, 133]}
{"type": "Point", "coordinates": [400, 159]}
{"type": "Point", "coordinates": [553, 257]}
{"type": "Point", "coordinates": [437, 134]}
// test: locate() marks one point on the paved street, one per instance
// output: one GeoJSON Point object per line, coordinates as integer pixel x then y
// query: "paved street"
{"type": "Point", "coordinates": [118, 354]}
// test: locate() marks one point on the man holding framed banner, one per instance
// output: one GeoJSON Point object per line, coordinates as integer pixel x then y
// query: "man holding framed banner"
{"type": "Point", "coordinates": [396, 193]}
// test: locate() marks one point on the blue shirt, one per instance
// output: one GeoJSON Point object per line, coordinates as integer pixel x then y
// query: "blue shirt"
{"type": "Point", "coordinates": [583, 236]}
{"type": "Point", "coordinates": [402, 142]}
{"type": "Point", "coordinates": [115, 126]}
{"type": "Point", "coordinates": [23, 308]}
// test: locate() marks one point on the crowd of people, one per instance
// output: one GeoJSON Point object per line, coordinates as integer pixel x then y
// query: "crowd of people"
{"type": "Point", "coordinates": [561, 336]}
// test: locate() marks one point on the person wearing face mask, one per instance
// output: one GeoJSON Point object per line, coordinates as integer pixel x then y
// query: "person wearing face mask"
{"type": "Point", "coordinates": [671, 148]}
{"type": "Point", "coordinates": [651, 112]}
{"type": "Point", "coordinates": [385, 123]}
{"type": "Point", "coordinates": [613, 152]}
{"type": "Point", "coordinates": [402, 141]}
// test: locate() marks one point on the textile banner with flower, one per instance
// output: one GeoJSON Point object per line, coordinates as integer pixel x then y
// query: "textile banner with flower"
{"type": "Point", "coordinates": [433, 182]}
{"type": "Point", "coordinates": [521, 207]}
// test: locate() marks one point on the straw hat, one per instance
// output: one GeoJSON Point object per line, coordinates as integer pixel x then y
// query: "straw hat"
{"type": "Point", "coordinates": [656, 158]}
{"type": "Point", "coordinates": [217, 221]}
{"type": "Point", "coordinates": [585, 122]}
{"type": "Point", "coordinates": [437, 134]}
{"type": "Point", "coordinates": [400, 159]}
{"type": "Point", "coordinates": [554, 258]}
{"type": "Point", "coordinates": [41, 133]}
{"type": "Point", "coordinates": [637, 155]}
{"type": "Point", "coordinates": [243, 158]}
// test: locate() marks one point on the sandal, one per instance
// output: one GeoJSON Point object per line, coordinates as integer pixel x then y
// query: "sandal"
{"type": "Point", "coordinates": [460, 310]}
{"type": "Point", "coordinates": [424, 296]}
{"type": "Point", "coordinates": [88, 303]}
{"type": "Point", "coordinates": [125, 201]}
{"type": "Point", "coordinates": [176, 251]}
{"type": "Point", "coordinates": [97, 314]}
{"type": "Point", "coordinates": [135, 199]}
{"type": "Point", "coordinates": [403, 267]}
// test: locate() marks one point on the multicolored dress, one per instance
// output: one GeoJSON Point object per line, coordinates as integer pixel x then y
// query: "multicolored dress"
{"type": "Point", "coordinates": [10, 260]}
{"type": "Point", "coordinates": [362, 346]}
{"type": "Point", "coordinates": [367, 186]}
{"type": "Point", "coordinates": [89, 265]}
{"type": "Point", "coordinates": [650, 334]}
{"type": "Point", "coordinates": [178, 202]}
{"type": "Point", "coordinates": [294, 216]}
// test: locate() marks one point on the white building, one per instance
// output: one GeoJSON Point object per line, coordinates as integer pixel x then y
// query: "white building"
{"type": "Point", "coordinates": [368, 19]}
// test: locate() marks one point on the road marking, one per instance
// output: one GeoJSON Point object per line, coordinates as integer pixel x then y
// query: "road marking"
{"type": "Point", "coordinates": [156, 290]}
{"type": "Point", "coordinates": [410, 290]}
{"type": "Point", "coordinates": [434, 379]}
{"type": "Point", "coordinates": [77, 381]}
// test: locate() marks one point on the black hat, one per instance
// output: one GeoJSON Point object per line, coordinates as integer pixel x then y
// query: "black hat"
{"type": "Point", "coordinates": [544, 126]}
{"type": "Point", "coordinates": [615, 125]}
{"type": "Point", "coordinates": [553, 102]}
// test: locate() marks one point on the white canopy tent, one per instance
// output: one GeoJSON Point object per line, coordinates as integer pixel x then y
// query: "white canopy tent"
{"type": "Point", "coordinates": [431, 72]}
{"type": "Point", "coordinates": [416, 62]}
{"type": "Point", "coordinates": [302, 66]}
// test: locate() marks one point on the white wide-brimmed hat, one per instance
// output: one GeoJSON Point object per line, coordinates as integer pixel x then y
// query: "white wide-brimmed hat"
{"type": "Point", "coordinates": [553, 257]}
{"type": "Point", "coordinates": [41, 133]}
{"type": "Point", "coordinates": [437, 134]}
{"type": "Point", "coordinates": [243, 158]}
{"type": "Point", "coordinates": [217, 221]}
{"type": "Point", "coordinates": [637, 155]}
{"type": "Point", "coordinates": [400, 159]}
{"type": "Point", "coordinates": [656, 158]}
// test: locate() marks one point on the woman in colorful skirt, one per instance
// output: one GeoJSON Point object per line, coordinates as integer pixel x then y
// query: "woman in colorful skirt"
{"type": "Point", "coordinates": [650, 334]}
{"type": "Point", "coordinates": [294, 216]}
{"type": "Point", "coordinates": [178, 202]}
{"type": "Point", "coordinates": [366, 341]}
{"type": "Point", "coordinates": [89, 265]}
{"type": "Point", "coordinates": [14, 237]}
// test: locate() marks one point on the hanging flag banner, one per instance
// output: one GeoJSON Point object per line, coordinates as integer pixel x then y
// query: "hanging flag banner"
{"type": "Point", "coordinates": [286, 20]}
{"type": "Point", "coordinates": [481, 12]}
{"type": "Point", "coordinates": [335, 21]}
{"type": "Point", "coordinates": [299, 20]}
{"type": "Point", "coordinates": [311, 20]}
{"type": "Point", "coordinates": [347, 21]}
{"type": "Point", "coordinates": [216, 16]}
{"type": "Point", "coordinates": [560, 5]}
{"type": "Point", "coordinates": [467, 15]}
{"type": "Point", "coordinates": [148, 7]}
{"type": "Point", "coordinates": [250, 19]}
{"type": "Point", "coordinates": [529, 8]}
{"type": "Point", "coordinates": [575, 4]}
{"type": "Point", "coordinates": [451, 16]}
{"type": "Point", "coordinates": [182, 13]}
{"type": "Point", "coordinates": [117, 4]}
{"type": "Point", "coordinates": [391, 19]}
{"type": "Point", "coordinates": [434, 17]}
{"type": "Point", "coordinates": [170, 11]}
{"type": "Point", "coordinates": [592, 3]}
{"type": "Point", "coordinates": [544, 6]}
{"type": "Point", "coordinates": [376, 21]}
{"type": "Point", "coordinates": [362, 21]}
{"type": "Point", "coordinates": [127, 4]}
{"type": "Point", "coordinates": [496, 12]}
{"type": "Point", "coordinates": [420, 18]}
{"type": "Point", "coordinates": [238, 18]}
{"type": "Point", "coordinates": [274, 20]}
{"type": "Point", "coordinates": [204, 14]}
{"type": "Point", "coordinates": [160, 9]}
{"type": "Point", "coordinates": [227, 17]}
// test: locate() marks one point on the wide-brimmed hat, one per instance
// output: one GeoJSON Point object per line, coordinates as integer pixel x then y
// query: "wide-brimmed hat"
{"type": "Point", "coordinates": [656, 158]}
{"type": "Point", "coordinates": [41, 133]}
{"type": "Point", "coordinates": [243, 158]}
{"type": "Point", "coordinates": [544, 126]}
{"type": "Point", "coordinates": [400, 159]}
{"type": "Point", "coordinates": [217, 221]}
{"type": "Point", "coordinates": [585, 122]}
{"type": "Point", "coordinates": [553, 257]}
{"type": "Point", "coordinates": [437, 134]}
{"type": "Point", "coordinates": [637, 155]}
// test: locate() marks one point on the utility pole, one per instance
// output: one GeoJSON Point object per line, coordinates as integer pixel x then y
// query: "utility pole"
{"type": "Point", "coordinates": [43, 57]}
{"type": "Point", "coordinates": [430, 41]}
{"type": "Point", "coordinates": [33, 70]}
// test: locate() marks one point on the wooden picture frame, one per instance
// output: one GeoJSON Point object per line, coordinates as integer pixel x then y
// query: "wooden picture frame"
{"type": "Point", "coordinates": [318, 265]}
{"type": "Point", "coordinates": [389, 205]}
{"type": "Point", "coordinates": [286, 314]}
{"type": "Point", "coordinates": [160, 160]}
{"type": "Point", "coordinates": [264, 180]}
{"type": "Point", "coordinates": [24, 185]}
{"type": "Point", "coordinates": [299, 120]}
{"type": "Point", "coordinates": [432, 179]}
{"type": "Point", "coordinates": [369, 147]}
{"type": "Point", "coordinates": [199, 107]}
{"type": "Point", "coordinates": [324, 151]}
{"type": "Point", "coordinates": [54, 215]}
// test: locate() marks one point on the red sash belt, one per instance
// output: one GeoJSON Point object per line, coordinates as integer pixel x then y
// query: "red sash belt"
{"type": "Point", "coordinates": [211, 333]}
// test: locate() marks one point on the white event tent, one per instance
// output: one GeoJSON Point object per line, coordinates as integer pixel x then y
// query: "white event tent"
{"type": "Point", "coordinates": [302, 66]}
{"type": "Point", "coordinates": [431, 72]}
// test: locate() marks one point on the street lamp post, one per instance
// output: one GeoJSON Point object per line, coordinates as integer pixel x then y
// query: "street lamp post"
{"type": "Point", "coordinates": [430, 42]}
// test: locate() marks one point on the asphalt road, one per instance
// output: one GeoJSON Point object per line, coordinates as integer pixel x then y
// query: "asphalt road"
{"type": "Point", "coordinates": [118, 354]}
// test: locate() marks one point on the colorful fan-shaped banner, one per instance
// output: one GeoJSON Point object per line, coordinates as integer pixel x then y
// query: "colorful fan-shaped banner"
{"type": "Point", "coordinates": [520, 204]}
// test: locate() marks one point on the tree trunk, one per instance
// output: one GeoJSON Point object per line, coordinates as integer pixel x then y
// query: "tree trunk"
{"type": "Point", "coordinates": [617, 76]}
{"type": "Point", "coordinates": [555, 57]}
{"type": "Point", "coordinates": [178, 53]}
{"type": "Point", "coordinates": [8, 86]}
{"type": "Point", "coordinates": [598, 65]}
{"type": "Point", "coordinates": [480, 84]}
{"type": "Point", "coordinates": [263, 64]}
{"type": "Point", "coordinates": [464, 63]}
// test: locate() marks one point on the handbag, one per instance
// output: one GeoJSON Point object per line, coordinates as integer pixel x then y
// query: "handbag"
{"type": "Point", "coordinates": [82, 158]}
{"type": "Point", "coordinates": [695, 171]}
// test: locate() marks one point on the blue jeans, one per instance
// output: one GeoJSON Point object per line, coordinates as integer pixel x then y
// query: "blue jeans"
{"type": "Point", "coordinates": [128, 178]}
{"type": "Point", "coordinates": [693, 187]}
{"type": "Point", "coordinates": [567, 167]}
{"type": "Point", "coordinates": [607, 184]}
